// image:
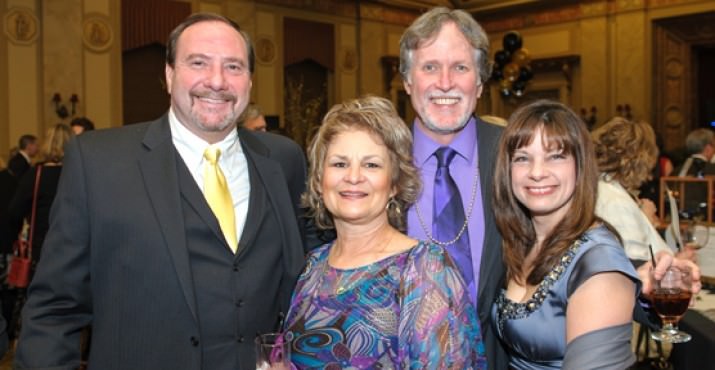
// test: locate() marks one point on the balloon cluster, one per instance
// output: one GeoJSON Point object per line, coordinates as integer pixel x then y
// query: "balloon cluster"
{"type": "Point", "coordinates": [511, 66]}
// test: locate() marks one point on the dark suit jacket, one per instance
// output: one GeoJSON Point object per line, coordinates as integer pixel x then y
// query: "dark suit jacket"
{"type": "Point", "coordinates": [492, 269]}
{"type": "Point", "coordinates": [8, 184]}
{"type": "Point", "coordinates": [116, 253]}
{"type": "Point", "coordinates": [18, 165]}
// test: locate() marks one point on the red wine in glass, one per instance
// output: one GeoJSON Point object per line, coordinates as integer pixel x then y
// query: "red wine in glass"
{"type": "Point", "coordinates": [671, 304]}
{"type": "Point", "coordinates": [671, 298]}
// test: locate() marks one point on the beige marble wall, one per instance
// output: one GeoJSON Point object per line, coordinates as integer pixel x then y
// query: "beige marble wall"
{"type": "Point", "coordinates": [629, 63]}
{"type": "Point", "coordinates": [5, 137]}
{"type": "Point", "coordinates": [62, 62]}
{"type": "Point", "coordinates": [611, 39]}
{"type": "Point", "coordinates": [594, 63]}
{"type": "Point", "coordinates": [22, 92]}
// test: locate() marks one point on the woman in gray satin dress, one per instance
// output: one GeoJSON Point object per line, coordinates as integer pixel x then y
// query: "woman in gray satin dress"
{"type": "Point", "coordinates": [570, 288]}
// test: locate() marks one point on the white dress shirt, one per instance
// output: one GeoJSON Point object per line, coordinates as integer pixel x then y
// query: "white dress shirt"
{"type": "Point", "coordinates": [232, 161]}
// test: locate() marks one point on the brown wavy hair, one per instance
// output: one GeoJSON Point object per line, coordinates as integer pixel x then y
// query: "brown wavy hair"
{"type": "Point", "coordinates": [626, 151]}
{"type": "Point", "coordinates": [377, 117]}
{"type": "Point", "coordinates": [562, 129]}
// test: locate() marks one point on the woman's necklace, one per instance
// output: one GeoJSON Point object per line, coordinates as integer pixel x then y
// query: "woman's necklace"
{"type": "Point", "coordinates": [355, 275]}
{"type": "Point", "coordinates": [467, 216]}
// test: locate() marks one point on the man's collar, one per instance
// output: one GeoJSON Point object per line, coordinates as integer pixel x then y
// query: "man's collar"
{"type": "Point", "coordinates": [24, 154]}
{"type": "Point", "coordinates": [463, 143]}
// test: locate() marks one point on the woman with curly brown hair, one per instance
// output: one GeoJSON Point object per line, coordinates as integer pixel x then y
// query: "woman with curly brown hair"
{"type": "Point", "coordinates": [626, 153]}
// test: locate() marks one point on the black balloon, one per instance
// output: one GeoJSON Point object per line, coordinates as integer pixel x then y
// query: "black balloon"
{"type": "Point", "coordinates": [518, 85]}
{"type": "Point", "coordinates": [497, 74]}
{"type": "Point", "coordinates": [502, 57]}
{"type": "Point", "coordinates": [525, 73]}
{"type": "Point", "coordinates": [512, 41]}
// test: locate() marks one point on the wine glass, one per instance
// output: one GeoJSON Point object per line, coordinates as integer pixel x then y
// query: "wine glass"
{"type": "Point", "coordinates": [695, 234]}
{"type": "Point", "coordinates": [273, 351]}
{"type": "Point", "coordinates": [671, 298]}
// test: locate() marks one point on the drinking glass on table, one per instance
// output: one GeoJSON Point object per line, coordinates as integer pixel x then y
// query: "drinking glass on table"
{"type": "Point", "coordinates": [671, 298]}
{"type": "Point", "coordinates": [695, 234]}
{"type": "Point", "coordinates": [273, 351]}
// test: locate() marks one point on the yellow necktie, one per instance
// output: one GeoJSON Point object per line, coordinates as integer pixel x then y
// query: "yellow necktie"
{"type": "Point", "coordinates": [218, 196]}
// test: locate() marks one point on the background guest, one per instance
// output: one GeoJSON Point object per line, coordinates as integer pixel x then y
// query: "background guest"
{"type": "Point", "coordinates": [81, 124]}
{"type": "Point", "coordinates": [562, 260]}
{"type": "Point", "coordinates": [375, 297]}
{"type": "Point", "coordinates": [50, 158]}
{"type": "Point", "coordinates": [253, 119]}
{"type": "Point", "coordinates": [626, 153]}
{"type": "Point", "coordinates": [700, 146]}
{"type": "Point", "coordinates": [20, 162]}
{"type": "Point", "coordinates": [49, 168]}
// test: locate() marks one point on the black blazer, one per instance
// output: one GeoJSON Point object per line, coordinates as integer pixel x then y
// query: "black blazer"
{"type": "Point", "coordinates": [492, 270]}
{"type": "Point", "coordinates": [116, 253]}
{"type": "Point", "coordinates": [18, 165]}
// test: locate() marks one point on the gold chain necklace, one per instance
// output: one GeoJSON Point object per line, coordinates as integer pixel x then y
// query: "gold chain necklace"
{"type": "Point", "coordinates": [467, 217]}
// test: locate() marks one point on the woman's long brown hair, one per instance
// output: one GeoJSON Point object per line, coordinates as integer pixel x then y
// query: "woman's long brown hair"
{"type": "Point", "coordinates": [562, 129]}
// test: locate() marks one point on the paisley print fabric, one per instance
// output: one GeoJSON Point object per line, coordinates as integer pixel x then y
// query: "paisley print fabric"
{"type": "Point", "coordinates": [407, 311]}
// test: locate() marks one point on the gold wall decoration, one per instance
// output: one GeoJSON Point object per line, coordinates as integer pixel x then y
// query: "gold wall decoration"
{"type": "Point", "coordinates": [21, 26]}
{"type": "Point", "coordinates": [349, 59]}
{"type": "Point", "coordinates": [265, 50]}
{"type": "Point", "coordinates": [97, 34]}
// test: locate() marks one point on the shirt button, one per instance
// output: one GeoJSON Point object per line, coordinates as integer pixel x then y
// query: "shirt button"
{"type": "Point", "coordinates": [239, 303]}
{"type": "Point", "coordinates": [240, 339]}
{"type": "Point", "coordinates": [235, 267]}
{"type": "Point", "coordinates": [194, 341]}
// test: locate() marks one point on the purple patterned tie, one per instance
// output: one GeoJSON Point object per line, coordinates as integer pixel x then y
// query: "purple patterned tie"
{"type": "Point", "coordinates": [448, 217]}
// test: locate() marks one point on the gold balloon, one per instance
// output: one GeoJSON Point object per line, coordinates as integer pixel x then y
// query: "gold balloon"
{"type": "Point", "coordinates": [505, 84]}
{"type": "Point", "coordinates": [521, 57]}
{"type": "Point", "coordinates": [511, 71]}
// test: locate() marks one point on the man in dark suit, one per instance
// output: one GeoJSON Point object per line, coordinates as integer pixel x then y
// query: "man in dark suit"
{"type": "Point", "coordinates": [444, 70]}
{"type": "Point", "coordinates": [700, 145]}
{"type": "Point", "coordinates": [134, 248]}
{"type": "Point", "coordinates": [20, 162]}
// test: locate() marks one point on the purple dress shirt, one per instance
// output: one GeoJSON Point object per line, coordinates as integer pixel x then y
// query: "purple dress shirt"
{"type": "Point", "coordinates": [463, 169]}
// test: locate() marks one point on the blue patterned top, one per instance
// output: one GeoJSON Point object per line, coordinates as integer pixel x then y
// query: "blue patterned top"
{"type": "Point", "coordinates": [409, 310]}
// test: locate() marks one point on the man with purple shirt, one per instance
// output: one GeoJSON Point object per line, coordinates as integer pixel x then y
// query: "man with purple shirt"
{"type": "Point", "coordinates": [444, 64]}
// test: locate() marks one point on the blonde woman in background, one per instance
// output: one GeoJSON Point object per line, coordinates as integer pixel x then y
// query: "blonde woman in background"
{"type": "Point", "coordinates": [626, 153]}
{"type": "Point", "coordinates": [49, 166]}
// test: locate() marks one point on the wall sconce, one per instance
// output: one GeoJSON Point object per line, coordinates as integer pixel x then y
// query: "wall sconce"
{"type": "Point", "coordinates": [591, 119]}
{"type": "Point", "coordinates": [624, 111]}
{"type": "Point", "coordinates": [61, 109]}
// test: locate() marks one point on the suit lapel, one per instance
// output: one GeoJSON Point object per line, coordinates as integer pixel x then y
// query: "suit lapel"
{"type": "Point", "coordinates": [264, 174]}
{"type": "Point", "coordinates": [488, 137]}
{"type": "Point", "coordinates": [158, 168]}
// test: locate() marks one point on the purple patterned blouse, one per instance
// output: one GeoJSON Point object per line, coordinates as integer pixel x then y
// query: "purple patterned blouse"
{"type": "Point", "coordinates": [409, 310]}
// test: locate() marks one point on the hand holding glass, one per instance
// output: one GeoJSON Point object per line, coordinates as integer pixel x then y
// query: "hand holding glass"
{"type": "Point", "coordinates": [273, 351]}
{"type": "Point", "coordinates": [671, 298]}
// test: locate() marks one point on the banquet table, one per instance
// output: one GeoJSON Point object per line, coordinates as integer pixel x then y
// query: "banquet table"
{"type": "Point", "coordinates": [699, 321]}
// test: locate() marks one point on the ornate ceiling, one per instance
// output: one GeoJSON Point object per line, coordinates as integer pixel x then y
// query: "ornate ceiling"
{"type": "Point", "coordinates": [476, 6]}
